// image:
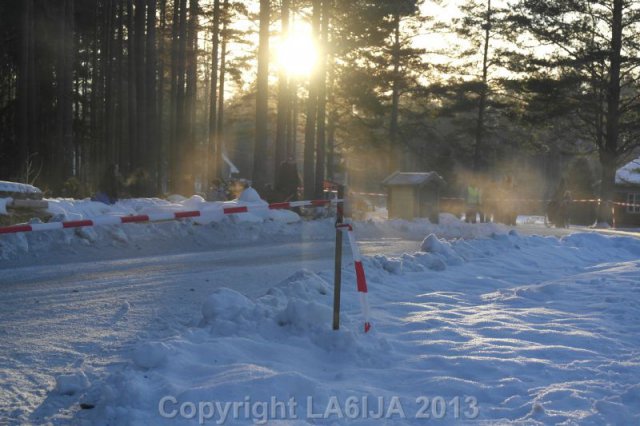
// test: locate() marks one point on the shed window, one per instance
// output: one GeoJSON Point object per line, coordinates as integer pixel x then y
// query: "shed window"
{"type": "Point", "coordinates": [633, 199]}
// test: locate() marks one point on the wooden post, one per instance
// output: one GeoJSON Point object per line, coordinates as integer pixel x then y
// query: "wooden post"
{"type": "Point", "coordinates": [337, 278]}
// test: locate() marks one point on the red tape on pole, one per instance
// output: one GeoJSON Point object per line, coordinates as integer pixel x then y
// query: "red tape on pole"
{"type": "Point", "coordinates": [15, 229]}
{"type": "Point", "coordinates": [361, 279]}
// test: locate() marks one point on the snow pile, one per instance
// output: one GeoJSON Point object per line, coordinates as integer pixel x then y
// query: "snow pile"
{"type": "Point", "coordinates": [450, 227]}
{"type": "Point", "coordinates": [629, 173]}
{"type": "Point", "coordinates": [70, 209]}
{"type": "Point", "coordinates": [286, 329]}
{"type": "Point", "coordinates": [211, 229]}
{"type": "Point", "coordinates": [517, 330]}
{"type": "Point", "coordinates": [156, 236]}
{"type": "Point", "coordinates": [6, 186]}
{"type": "Point", "coordinates": [150, 354]}
{"type": "Point", "coordinates": [71, 384]}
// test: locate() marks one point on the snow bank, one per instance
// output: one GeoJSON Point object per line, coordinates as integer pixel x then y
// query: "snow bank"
{"type": "Point", "coordinates": [517, 330]}
{"type": "Point", "coordinates": [211, 229]}
{"type": "Point", "coordinates": [18, 187]}
{"type": "Point", "coordinates": [450, 227]}
{"type": "Point", "coordinates": [154, 235]}
{"type": "Point", "coordinates": [70, 209]}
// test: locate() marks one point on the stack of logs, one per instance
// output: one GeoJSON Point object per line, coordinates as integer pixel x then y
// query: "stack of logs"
{"type": "Point", "coordinates": [23, 207]}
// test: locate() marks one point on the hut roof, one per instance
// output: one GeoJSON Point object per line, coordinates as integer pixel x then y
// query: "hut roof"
{"type": "Point", "coordinates": [412, 179]}
{"type": "Point", "coordinates": [629, 174]}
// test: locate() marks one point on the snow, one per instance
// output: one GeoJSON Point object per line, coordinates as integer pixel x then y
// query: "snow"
{"type": "Point", "coordinates": [525, 329]}
{"type": "Point", "coordinates": [16, 246]}
{"type": "Point", "coordinates": [71, 384]}
{"type": "Point", "coordinates": [70, 209]}
{"type": "Point", "coordinates": [4, 202]}
{"type": "Point", "coordinates": [450, 227]}
{"type": "Point", "coordinates": [150, 355]}
{"type": "Point", "coordinates": [629, 173]}
{"type": "Point", "coordinates": [534, 330]}
{"type": "Point", "coordinates": [225, 305]}
{"type": "Point", "coordinates": [18, 187]}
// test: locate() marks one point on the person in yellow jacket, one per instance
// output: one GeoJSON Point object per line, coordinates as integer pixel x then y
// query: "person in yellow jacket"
{"type": "Point", "coordinates": [473, 202]}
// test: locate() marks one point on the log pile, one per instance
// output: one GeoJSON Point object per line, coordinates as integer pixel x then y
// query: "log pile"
{"type": "Point", "coordinates": [27, 203]}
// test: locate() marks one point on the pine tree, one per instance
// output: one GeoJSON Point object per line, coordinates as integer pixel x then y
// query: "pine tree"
{"type": "Point", "coordinates": [595, 47]}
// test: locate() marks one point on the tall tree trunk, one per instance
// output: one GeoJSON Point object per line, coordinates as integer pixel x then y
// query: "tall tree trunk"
{"type": "Point", "coordinates": [162, 140]}
{"type": "Point", "coordinates": [212, 147]}
{"type": "Point", "coordinates": [482, 102]}
{"type": "Point", "coordinates": [24, 122]}
{"type": "Point", "coordinates": [64, 94]}
{"type": "Point", "coordinates": [132, 91]}
{"type": "Point", "coordinates": [395, 151]}
{"type": "Point", "coordinates": [312, 111]}
{"type": "Point", "coordinates": [223, 71]}
{"type": "Point", "coordinates": [189, 163]}
{"type": "Point", "coordinates": [141, 85]}
{"type": "Point", "coordinates": [262, 100]}
{"type": "Point", "coordinates": [180, 182]}
{"type": "Point", "coordinates": [332, 119]}
{"type": "Point", "coordinates": [69, 61]}
{"type": "Point", "coordinates": [292, 132]}
{"type": "Point", "coordinates": [153, 145]}
{"type": "Point", "coordinates": [292, 117]}
{"type": "Point", "coordinates": [97, 145]}
{"type": "Point", "coordinates": [77, 110]}
{"type": "Point", "coordinates": [322, 102]}
{"type": "Point", "coordinates": [121, 147]}
{"type": "Point", "coordinates": [109, 151]}
{"type": "Point", "coordinates": [173, 99]}
{"type": "Point", "coordinates": [609, 152]}
{"type": "Point", "coordinates": [283, 98]}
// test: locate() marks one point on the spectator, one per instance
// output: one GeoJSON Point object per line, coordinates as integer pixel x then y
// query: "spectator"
{"type": "Point", "coordinates": [109, 186]}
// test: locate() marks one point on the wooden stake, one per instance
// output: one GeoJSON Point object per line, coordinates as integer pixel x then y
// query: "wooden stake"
{"type": "Point", "coordinates": [337, 278]}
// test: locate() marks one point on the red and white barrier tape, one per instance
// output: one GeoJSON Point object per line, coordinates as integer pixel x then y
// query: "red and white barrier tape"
{"type": "Point", "coordinates": [373, 194]}
{"type": "Point", "coordinates": [361, 279]}
{"type": "Point", "coordinates": [157, 217]}
{"type": "Point", "coordinates": [535, 200]}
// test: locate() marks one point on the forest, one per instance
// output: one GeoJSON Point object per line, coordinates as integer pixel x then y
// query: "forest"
{"type": "Point", "coordinates": [177, 90]}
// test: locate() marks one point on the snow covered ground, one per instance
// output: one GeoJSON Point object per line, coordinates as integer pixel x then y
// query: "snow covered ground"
{"type": "Point", "coordinates": [480, 326]}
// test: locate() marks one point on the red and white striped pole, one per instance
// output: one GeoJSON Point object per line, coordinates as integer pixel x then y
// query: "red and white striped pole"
{"type": "Point", "coordinates": [361, 279]}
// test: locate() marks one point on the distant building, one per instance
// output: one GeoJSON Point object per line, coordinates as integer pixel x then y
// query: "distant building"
{"type": "Point", "coordinates": [627, 190]}
{"type": "Point", "coordinates": [414, 195]}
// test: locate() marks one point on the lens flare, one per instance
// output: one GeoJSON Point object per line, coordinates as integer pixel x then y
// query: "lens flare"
{"type": "Point", "coordinates": [297, 53]}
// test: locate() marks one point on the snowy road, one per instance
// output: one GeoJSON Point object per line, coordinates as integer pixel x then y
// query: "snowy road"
{"type": "Point", "coordinates": [64, 315]}
{"type": "Point", "coordinates": [54, 316]}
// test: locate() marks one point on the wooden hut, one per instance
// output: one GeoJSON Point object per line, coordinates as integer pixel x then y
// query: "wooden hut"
{"type": "Point", "coordinates": [627, 191]}
{"type": "Point", "coordinates": [414, 195]}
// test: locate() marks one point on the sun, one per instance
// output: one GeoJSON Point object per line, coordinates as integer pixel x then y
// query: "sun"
{"type": "Point", "coordinates": [297, 53]}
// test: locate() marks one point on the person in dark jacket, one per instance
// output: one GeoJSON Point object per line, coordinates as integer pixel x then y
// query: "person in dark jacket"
{"type": "Point", "coordinates": [109, 186]}
{"type": "Point", "coordinates": [563, 210]}
{"type": "Point", "coordinates": [509, 202]}
{"type": "Point", "coordinates": [139, 184]}
{"type": "Point", "coordinates": [288, 180]}
{"type": "Point", "coordinates": [558, 207]}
